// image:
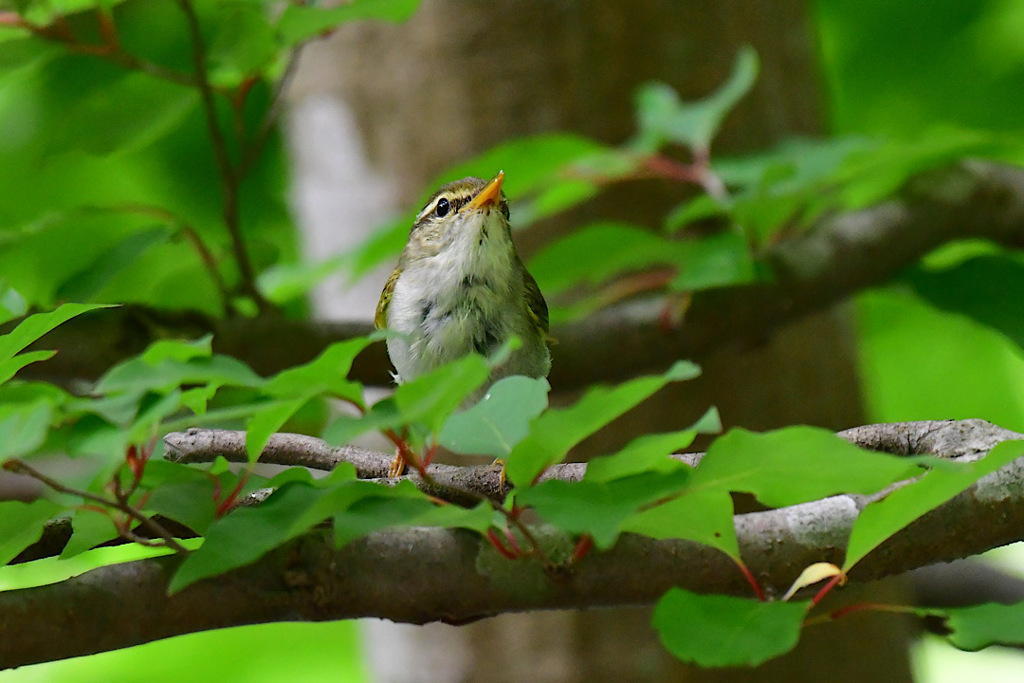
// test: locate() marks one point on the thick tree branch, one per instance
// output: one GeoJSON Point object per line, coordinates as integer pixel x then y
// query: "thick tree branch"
{"type": "Point", "coordinates": [419, 575]}
{"type": "Point", "coordinates": [841, 255]}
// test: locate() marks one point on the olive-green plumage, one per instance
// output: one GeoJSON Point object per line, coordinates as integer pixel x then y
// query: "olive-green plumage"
{"type": "Point", "coordinates": [460, 286]}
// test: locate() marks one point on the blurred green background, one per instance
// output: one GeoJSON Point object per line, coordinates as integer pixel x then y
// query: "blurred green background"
{"type": "Point", "coordinates": [891, 70]}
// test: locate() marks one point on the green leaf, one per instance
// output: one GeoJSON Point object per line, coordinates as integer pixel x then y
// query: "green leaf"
{"type": "Point", "coordinates": [401, 506]}
{"type": "Point", "coordinates": [247, 534]}
{"type": "Point", "coordinates": [721, 631]}
{"type": "Point", "coordinates": [981, 288]}
{"type": "Point", "coordinates": [89, 528]}
{"type": "Point", "coordinates": [703, 516]}
{"type": "Point", "coordinates": [599, 508]}
{"type": "Point", "coordinates": [499, 421]}
{"type": "Point", "coordinates": [598, 252]}
{"type": "Point", "coordinates": [177, 350]}
{"type": "Point", "coordinates": [881, 519]}
{"type": "Point", "coordinates": [300, 22]}
{"type": "Point", "coordinates": [430, 398]}
{"type": "Point", "coordinates": [21, 525]}
{"type": "Point", "coordinates": [11, 366]}
{"type": "Point", "coordinates": [23, 427]}
{"type": "Point", "coordinates": [182, 493]}
{"type": "Point", "coordinates": [115, 114]}
{"type": "Point", "coordinates": [977, 627]}
{"type": "Point", "coordinates": [326, 374]}
{"type": "Point", "coordinates": [796, 465]}
{"type": "Point", "coordinates": [650, 452]}
{"type": "Point", "coordinates": [664, 118]}
{"type": "Point", "coordinates": [243, 46]}
{"type": "Point", "coordinates": [718, 260]}
{"type": "Point", "coordinates": [699, 208]}
{"type": "Point", "coordinates": [136, 375]}
{"type": "Point", "coordinates": [265, 422]}
{"type": "Point", "coordinates": [556, 431]}
{"type": "Point", "coordinates": [35, 326]}
{"type": "Point", "coordinates": [87, 283]}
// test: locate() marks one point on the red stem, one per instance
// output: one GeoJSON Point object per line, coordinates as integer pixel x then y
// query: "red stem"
{"type": "Point", "coordinates": [492, 536]}
{"type": "Point", "coordinates": [826, 588]}
{"type": "Point", "coordinates": [751, 580]}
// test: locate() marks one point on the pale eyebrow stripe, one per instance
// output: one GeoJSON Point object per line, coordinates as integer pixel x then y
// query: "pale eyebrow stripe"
{"type": "Point", "coordinates": [429, 208]}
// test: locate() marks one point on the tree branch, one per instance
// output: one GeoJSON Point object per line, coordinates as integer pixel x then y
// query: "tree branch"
{"type": "Point", "coordinates": [841, 255]}
{"type": "Point", "coordinates": [425, 574]}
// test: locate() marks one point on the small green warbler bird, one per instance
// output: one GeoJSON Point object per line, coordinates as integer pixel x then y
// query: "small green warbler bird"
{"type": "Point", "coordinates": [460, 286]}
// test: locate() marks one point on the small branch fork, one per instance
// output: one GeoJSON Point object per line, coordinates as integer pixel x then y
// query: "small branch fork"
{"type": "Point", "coordinates": [135, 460]}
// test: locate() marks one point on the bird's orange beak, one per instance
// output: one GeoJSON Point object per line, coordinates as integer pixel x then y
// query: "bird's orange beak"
{"type": "Point", "coordinates": [490, 195]}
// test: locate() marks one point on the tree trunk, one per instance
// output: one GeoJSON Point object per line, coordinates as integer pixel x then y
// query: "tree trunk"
{"type": "Point", "coordinates": [460, 77]}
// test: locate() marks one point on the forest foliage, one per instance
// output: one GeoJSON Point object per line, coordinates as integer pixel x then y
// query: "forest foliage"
{"type": "Point", "coordinates": [143, 165]}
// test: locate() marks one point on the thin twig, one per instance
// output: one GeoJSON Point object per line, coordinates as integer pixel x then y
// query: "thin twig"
{"type": "Point", "coordinates": [253, 150]}
{"type": "Point", "coordinates": [230, 178]}
{"type": "Point", "coordinates": [121, 503]}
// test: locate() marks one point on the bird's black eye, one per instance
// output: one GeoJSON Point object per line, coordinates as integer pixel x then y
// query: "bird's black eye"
{"type": "Point", "coordinates": [442, 207]}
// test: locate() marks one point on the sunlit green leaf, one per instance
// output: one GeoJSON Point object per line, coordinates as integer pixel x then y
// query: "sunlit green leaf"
{"type": "Point", "coordinates": [265, 422]}
{"type": "Point", "coordinates": [722, 631]}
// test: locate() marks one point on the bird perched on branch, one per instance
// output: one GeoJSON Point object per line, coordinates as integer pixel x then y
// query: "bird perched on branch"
{"type": "Point", "coordinates": [460, 287]}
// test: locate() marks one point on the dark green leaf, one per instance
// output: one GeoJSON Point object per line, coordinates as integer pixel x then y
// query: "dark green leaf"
{"type": "Point", "coordinates": [984, 288]}
{"type": "Point", "coordinates": [499, 420]}
{"type": "Point", "coordinates": [247, 534]}
{"type": "Point", "coordinates": [721, 631]}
